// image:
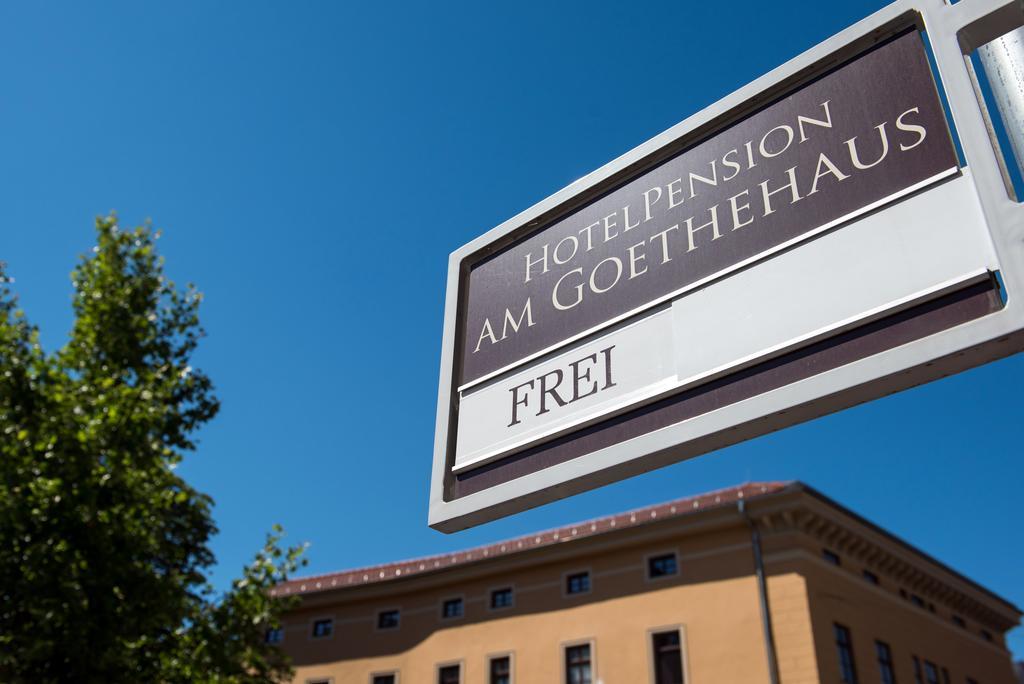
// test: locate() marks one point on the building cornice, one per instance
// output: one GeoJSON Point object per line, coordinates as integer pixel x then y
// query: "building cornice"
{"type": "Point", "coordinates": [806, 511]}
{"type": "Point", "coordinates": [778, 507]}
{"type": "Point", "coordinates": [609, 527]}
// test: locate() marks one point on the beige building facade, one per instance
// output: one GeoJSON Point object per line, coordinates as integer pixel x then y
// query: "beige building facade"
{"type": "Point", "coordinates": [764, 582]}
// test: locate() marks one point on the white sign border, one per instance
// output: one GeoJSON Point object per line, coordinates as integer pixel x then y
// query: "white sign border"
{"type": "Point", "coordinates": [954, 31]}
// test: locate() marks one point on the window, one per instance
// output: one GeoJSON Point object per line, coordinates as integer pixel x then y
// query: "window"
{"type": "Point", "coordinates": [831, 557]}
{"type": "Point", "coordinates": [452, 608]}
{"type": "Point", "coordinates": [323, 628]}
{"type": "Point", "coordinates": [986, 635]}
{"type": "Point", "coordinates": [387, 619]}
{"type": "Point", "coordinates": [945, 676]}
{"type": "Point", "coordinates": [449, 674]}
{"type": "Point", "coordinates": [577, 664]}
{"type": "Point", "coordinates": [577, 583]}
{"type": "Point", "coordinates": [501, 670]}
{"type": "Point", "coordinates": [959, 622]}
{"type": "Point", "coordinates": [384, 679]}
{"type": "Point", "coordinates": [972, 681]}
{"type": "Point", "coordinates": [501, 598]}
{"type": "Point", "coordinates": [885, 667]}
{"type": "Point", "coordinates": [663, 565]}
{"type": "Point", "coordinates": [918, 677]}
{"type": "Point", "coordinates": [668, 658]}
{"type": "Point", "coordinates": [844, 647]}
{"type": "Point", "coordinates": [870, 577]}
{"type": "Point", "coordinates": [274, 635]}
{"type": "Point", "coordinates": [917, 600]}
{"type": "Point", "coordinates": [931, 673]}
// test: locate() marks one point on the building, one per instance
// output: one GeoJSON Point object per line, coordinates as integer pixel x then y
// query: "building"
{"type": "Point", "coordinates": [718, 588]}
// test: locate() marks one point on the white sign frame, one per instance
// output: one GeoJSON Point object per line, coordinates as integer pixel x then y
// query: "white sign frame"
{"type": "Point", "coordinates": [953, 31]}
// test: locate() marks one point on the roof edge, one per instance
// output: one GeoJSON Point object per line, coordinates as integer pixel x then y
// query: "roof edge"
{"type": "Point", "coordinates": [544, 538]}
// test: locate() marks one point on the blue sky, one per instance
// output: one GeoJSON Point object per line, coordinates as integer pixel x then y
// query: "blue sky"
{"type": "Point", "coordinates": [312, 165]}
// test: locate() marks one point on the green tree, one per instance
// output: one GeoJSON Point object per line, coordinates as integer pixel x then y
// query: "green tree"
{"type": "Point", "coordinates": [104, 549]}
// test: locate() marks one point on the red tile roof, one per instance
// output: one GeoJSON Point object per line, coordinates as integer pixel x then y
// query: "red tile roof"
{"type": "Point", "coordinates": [568, 533]}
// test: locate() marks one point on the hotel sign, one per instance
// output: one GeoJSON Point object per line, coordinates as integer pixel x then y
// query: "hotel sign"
{"type": "Point", "coordinates": [731, 271]}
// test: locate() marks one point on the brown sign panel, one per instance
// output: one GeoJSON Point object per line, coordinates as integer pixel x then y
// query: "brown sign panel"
{"type": "Point", "coordinates": [864, 132]}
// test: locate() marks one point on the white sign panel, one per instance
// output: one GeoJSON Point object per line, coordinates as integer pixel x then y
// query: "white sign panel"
{"type": "Point", "coordinates": [590, 381]}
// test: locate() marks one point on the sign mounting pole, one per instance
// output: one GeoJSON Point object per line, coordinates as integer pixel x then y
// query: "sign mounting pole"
{"type": "Point", "coordinates": [1003, 60]}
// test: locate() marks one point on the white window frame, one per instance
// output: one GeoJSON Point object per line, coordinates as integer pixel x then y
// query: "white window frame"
{"type": "Point", "coordinates": [683, 653]}
{"type": "Point", "coordinates": [385, 673]}
{"type": "Point", "coordinates": [312, 622]}
{"type": "Point", "coordinates": [271, 629]}
{"type": "Point", "coordinates": [453, 597]}
{"type": "Point", "coordinates": [501, 587]}
{"type": "Point", "coordinates": [378, 628]}
{"type": "Point", "coordinates": [663, 552]}
{"type": "Point", "coordinates": [461, 664]}
{"type": "Point", "coordinates": [511, 655]}
{"type": "Point", "coordinates": [577, 571]}
{"type": "Point", "coordinates": [563, 665]}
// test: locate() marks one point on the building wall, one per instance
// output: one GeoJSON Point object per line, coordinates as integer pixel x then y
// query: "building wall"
{"type": "Point", "coordinates": [792, 629]}
{"type": "Point", "coordinates": [713, 601]}
{"type": "Point", "coordinates": [878, 612]}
